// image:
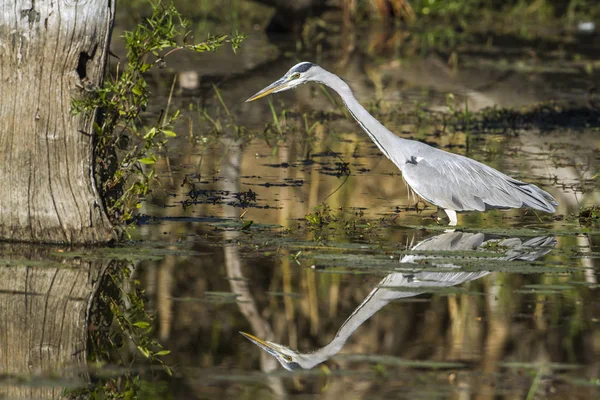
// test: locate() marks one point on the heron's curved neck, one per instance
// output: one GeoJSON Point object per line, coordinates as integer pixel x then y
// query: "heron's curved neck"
{"type": "Point", "coordinates": [381, 136]}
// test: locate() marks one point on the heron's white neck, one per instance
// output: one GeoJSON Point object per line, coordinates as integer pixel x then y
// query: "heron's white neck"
{"type": "Point", "coordinates": [388, 143]}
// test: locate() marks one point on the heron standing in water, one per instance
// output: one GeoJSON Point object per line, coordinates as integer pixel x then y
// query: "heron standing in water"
{"type": "Point", "coordinates": [449, 181]}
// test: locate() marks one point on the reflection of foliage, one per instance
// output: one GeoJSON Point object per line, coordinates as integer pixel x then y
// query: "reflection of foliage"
{"type": "Point", "coordinates": [243, 199]}
{"type": "Point", "coordinates": [246, 198]}
{"type": "Point", "coordinates": [120, 321]}
{"type": "Point", "coordinates": [124, 97]}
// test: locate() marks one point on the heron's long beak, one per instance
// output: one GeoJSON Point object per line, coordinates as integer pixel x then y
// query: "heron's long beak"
{"type": "Point", "coordinates": [279, 84]}
{"type": "Point", "coordinates": [266, 346]}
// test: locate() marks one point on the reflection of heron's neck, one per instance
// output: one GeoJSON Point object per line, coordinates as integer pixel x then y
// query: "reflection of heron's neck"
{"type": "Point", "coordinates": [377, 299]}
{"type": "Point", "coordinates": [383, 138]}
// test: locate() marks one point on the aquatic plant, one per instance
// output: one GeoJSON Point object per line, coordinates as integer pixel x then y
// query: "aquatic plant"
{"type": "Point", "coordinates": [320, 218]}
{"type": "Point", "coordinates": [589, 215]}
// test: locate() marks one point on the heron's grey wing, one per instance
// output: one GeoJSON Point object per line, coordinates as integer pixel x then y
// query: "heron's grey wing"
{"type": "Point", "coordinates": [454, 182]}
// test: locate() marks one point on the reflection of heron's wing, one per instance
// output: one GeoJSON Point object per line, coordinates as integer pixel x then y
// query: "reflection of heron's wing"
{"type": "Point", "coordinates": [448, 241]}
{"type": "Point", "coordinates": [531, 250]}
{"type": "Point", "coordinates": [451, 241]}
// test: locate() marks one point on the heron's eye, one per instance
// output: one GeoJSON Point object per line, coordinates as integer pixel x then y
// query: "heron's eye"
{"type": "Point", "coordinates": [288, 358]}
{"type": "Point", "coordinates": [295, 76]}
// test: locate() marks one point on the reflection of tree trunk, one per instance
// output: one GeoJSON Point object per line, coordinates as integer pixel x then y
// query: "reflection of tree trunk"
{"type": "Point", "coordinates": [233, 264]}
{"type": "Point", "coordinates": [164, 299]}
{"type": "Point", "coordinates": [498, 328]}
{"type": "Point", "coordinates": [48, 52]}
{"type": "Point", "coordinates": [43, 317]}
{"type": "Point", "coordinates": [465, 332]}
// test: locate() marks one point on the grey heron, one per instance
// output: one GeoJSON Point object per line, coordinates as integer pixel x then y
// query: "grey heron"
{"type": "Point", "coordinates": [399, 285]}
{"type": "Point", "coordinates": [449, 181]}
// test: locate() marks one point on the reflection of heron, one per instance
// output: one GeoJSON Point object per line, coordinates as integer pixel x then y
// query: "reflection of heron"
{"type": "Point", "coordinates": [449, 181]}
{"type": "Point", "coordinates": [387, 289]}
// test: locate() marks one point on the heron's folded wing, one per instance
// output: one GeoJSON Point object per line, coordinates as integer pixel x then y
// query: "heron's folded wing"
{"type": "Point", "coordinates": [454, 182]}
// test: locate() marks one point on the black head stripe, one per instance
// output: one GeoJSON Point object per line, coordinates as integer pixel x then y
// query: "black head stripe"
{"type": "Point", "coordinates": [304, 67]}
{"type": "Point", "coordinates": [294, 366]}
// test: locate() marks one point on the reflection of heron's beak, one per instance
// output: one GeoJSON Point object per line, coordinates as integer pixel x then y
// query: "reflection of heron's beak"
{"type": "Point", "coordinates": [266, 346]}
{"type": "Point", "coordinates": [279, 84]}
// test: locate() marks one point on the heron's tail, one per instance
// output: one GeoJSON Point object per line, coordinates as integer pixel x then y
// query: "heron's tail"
{"type": "Point", "coordinates": [534, 197]}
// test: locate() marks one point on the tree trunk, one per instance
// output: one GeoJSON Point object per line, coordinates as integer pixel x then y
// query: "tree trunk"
{"type": "Point", "coordinates": [50, 51]}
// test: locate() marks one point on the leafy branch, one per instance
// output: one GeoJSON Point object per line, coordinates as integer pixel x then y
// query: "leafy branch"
{"type": "Point", "coordinates": [123, 148]}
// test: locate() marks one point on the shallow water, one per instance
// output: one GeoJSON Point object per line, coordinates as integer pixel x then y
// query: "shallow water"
{"type": "Point", "coordinates": [371, 288]}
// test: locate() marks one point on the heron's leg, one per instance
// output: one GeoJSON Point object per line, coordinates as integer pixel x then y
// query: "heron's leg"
{"type": "Point", "coordinates": [452, 215]}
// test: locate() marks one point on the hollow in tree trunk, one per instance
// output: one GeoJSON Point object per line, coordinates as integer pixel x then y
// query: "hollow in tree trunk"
{"type": "Point", "coordinates": [50, 51]}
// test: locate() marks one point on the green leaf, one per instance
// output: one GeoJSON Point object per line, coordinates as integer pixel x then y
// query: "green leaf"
{"type": "Point", "coordinates": [147, 160]}
{"type": "Point", "coordinates": [150, 133]}
{"type": "Point", "coordinates": [144, 351]}
{"type": "Point", "coordinates": [145, 67]}
{"type": "Point", "coordinates": [142, 324]}
{"type": "Point", "coordinates": [162, 353]}
{"type": "Point", "coordinates": [247, 225]}
{"type": "Point", "coordinates": [169, 133]}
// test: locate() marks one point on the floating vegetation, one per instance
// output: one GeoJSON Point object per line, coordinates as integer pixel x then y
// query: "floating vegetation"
{"type": "Point", "coordinates": [288, 182]}
{"type": "Point", "coordinates": [589, 215]}
{"type": "Point", "coordinates": [244, 199]}
{"type": "Point", "coordinates": [220, 297]}
{"type": "Point", "coordinates": [34, 263]}
{"type": "Point", "coordinates": [433, 289]}
{"type": "Point", "coordinates": [230, 224]}
{"type": "Point", "coordinates": [399, 362]}
{"type": "Point", "coordinates": [130, 253]}
{"type": "Point", "coordinates": [285, 294]}
{"type": "Point", "coordinates": [535, 365]}
{"type": "Point", "coordinates": [547, 287]}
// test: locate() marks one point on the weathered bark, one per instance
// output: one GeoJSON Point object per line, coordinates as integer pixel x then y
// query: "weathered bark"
{"type": "Point", "coordinates": [50, 51]}
{"type": "Point", "coordinates": [44, 307]}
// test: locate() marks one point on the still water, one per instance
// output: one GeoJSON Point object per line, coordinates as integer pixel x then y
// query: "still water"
{"type": "Point", "coordinates": [281, 219]}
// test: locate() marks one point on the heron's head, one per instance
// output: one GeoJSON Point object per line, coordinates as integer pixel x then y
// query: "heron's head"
{"type": "Point", "coordinates": [288, 358]}
{"type": "Point", "coordinates": [297, 75]}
